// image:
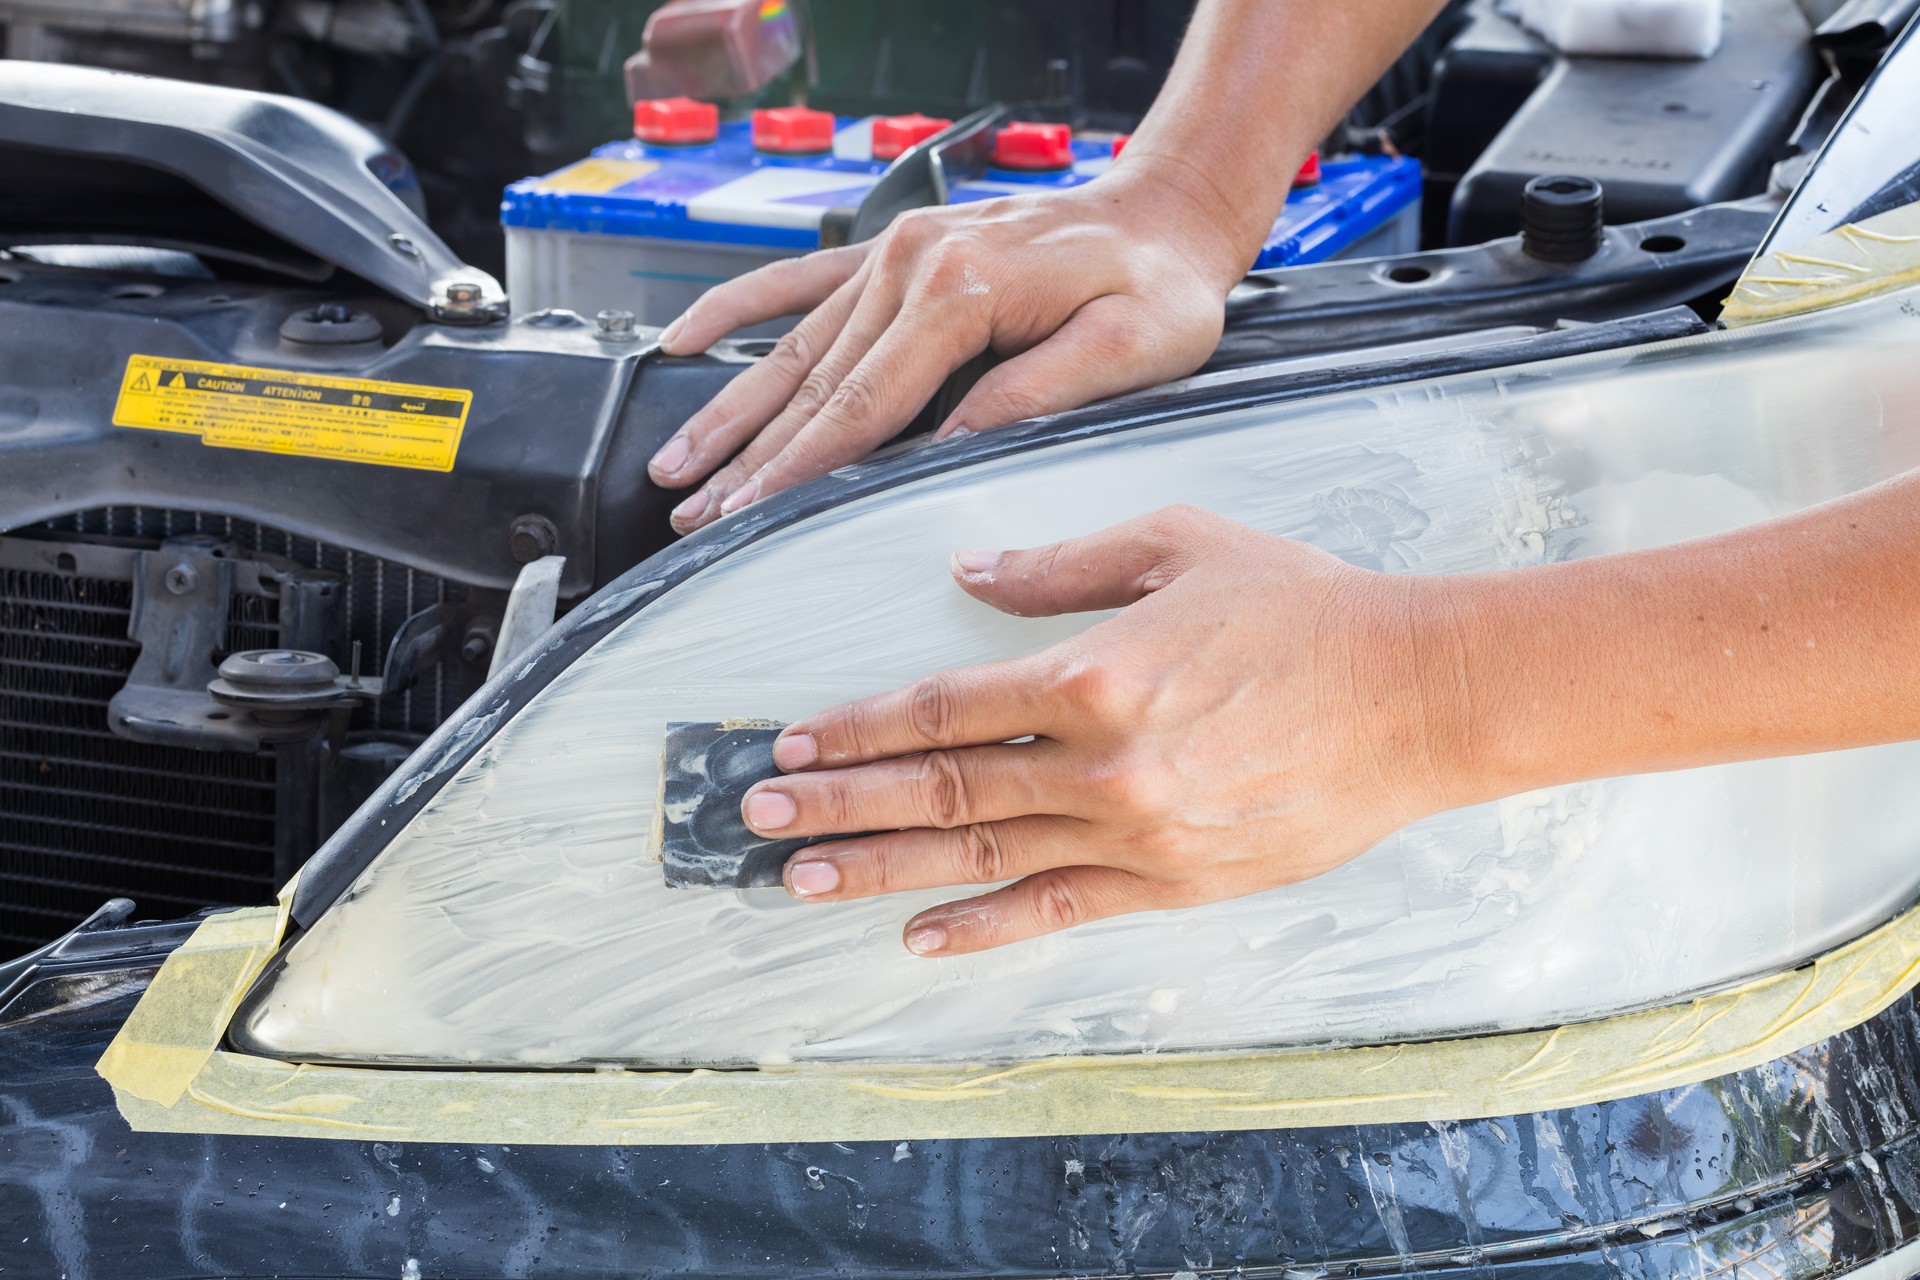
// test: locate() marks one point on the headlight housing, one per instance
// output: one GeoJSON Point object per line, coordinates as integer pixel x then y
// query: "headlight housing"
{"type": "Point", "coordinates": [512, 920]}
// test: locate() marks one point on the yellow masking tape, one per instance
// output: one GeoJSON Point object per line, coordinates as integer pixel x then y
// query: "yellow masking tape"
{"type": "Point", "coordinates": [1873, 256]}
{"type": "Point", "coordinates": [230, 406]}
{"type": "Point", "coordinates": [169, 1076]}
{"type": "Point", "coordinates": [172, 1032]}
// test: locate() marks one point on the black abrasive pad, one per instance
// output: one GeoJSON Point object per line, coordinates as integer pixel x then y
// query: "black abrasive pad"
{"type": "Point", "coordinates": [705, 771]}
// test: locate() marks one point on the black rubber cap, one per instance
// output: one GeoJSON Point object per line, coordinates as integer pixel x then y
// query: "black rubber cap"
{"type": "Point", "coordinates": [1560, 218]}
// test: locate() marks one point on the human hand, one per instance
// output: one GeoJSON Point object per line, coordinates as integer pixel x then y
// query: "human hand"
{"type": "Point", "coordinates": [1092, 291]}
{"type": "Point", "coordinates": [1251, 717]}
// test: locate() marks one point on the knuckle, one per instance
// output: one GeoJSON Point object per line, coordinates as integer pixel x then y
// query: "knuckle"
{"type": "Point", "coordinates": [881, 869]}
{"type": "Point", "coordinates": [850, 738]}
{"type": "Point", "coordinates": [1100, 690]}
{"type": "Point", "coordinates": [815, 389]}
{"type": "Point", "coordinates": [1046, 560]}
{"type": "Point", "coordinates": [856, 399]}
{"type": "Point", "coordinates": [949, 265]}
{"type": "Point", "coordinates": [933, 709]}
{"type": "Point", "coordinates": [1126, 785]}
{"type": "Point", "coordinates": [794, 353]}
{"type": "Point", "coordinates": [1180, 522]}
{"type": "Point", "coordinates": [943, 789]}
{"type": "Point", "coordinates": [983, 858]}
{"type": "Point", "coordinates": [905, 239]}
{"type": "Point", "coordinates": [917, 229]}
{"type": "Point", "coordinates": [1057, 904]}
{"type": "Point", "coordinates": [832, 805]}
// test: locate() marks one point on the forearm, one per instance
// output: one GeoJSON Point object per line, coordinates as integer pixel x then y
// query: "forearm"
{"type": "Point", "coordinates": [1798, 635]}
{"type": "Point", "coordinates": [1256, 85]}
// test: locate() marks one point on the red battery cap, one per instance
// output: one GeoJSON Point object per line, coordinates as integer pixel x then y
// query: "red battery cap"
{"type": "Point", "coordinates": [675, 121]}
{"type": "Point", "coordinates": [894, 134]}
{"type": "Point", "coordinates": [1027, 145]}
{"type": "Point", "coordinates": [1120, 141]}
{"type": "Point", "coordinates": [792, 130]}
{"type": "Point", "coordinates": [1309, 174]}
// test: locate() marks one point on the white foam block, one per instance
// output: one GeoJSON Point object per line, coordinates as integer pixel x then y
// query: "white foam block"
{"type": "Point", "coordinates": [1640, 28]}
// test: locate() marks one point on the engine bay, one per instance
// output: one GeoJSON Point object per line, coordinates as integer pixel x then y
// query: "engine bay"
{"type": "Point", "coordinates": [171, 240]}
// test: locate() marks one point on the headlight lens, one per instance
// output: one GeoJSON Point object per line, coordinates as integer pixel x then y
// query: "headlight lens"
{"type": "Point", "coordinates": [514, 919]}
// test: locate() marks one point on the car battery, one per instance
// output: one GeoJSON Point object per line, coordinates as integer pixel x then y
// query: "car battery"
{"type": "Point", "coordinates": [648, 225]}
{"type": "Point", "coordinates": [1353, 207]}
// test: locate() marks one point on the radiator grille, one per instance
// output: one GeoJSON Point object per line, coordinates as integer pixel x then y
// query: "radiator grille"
{"type": "Point", "coordinates": [86, 815]}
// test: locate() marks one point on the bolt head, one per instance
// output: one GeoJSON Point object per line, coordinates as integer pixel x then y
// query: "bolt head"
{"type": "Point", "coordinates": [530, 537]}
{"type": "Point", "coordinates": [182, 579]}
{"type": "Point", "coordinates": [464, 293]}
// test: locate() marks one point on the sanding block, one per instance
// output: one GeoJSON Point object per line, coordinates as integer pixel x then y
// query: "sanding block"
{"type": "Point", "coordinates": [699, 836]}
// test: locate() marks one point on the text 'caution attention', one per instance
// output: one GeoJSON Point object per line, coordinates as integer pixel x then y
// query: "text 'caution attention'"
{"type": "Point", "coordinates": [385, 424]}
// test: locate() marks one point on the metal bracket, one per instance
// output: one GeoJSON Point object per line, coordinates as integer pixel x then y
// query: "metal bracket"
{"type": "Point", "coordinates": [531, 607]}
{"type": "Point", "coordinates": [182, 597]}
{"type": "Point", "coordinates": [435, 635]}
{"type": "Point", "coordinates": [923, 174]}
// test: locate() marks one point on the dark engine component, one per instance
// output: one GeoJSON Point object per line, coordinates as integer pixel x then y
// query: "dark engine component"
{"type": "Point", "coordinates": [86, 812]}
{"type": "Point", "coordinates": [141, 751]}
{"type": "Point", "coordinates": [1561, 218]}
{"type": "Point", "coordinates": [1661, 136]}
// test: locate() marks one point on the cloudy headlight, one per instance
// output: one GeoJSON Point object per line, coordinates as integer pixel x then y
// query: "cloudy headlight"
{"type": "Point", "coordinates": [513, 919]}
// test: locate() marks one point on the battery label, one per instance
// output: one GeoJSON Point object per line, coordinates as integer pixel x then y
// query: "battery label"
{"type": "Point", "coordinates": [597, 175]}
{"type": "Point", "coordinates": [386, 424]}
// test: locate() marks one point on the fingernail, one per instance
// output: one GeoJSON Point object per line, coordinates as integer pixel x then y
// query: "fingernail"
{"type": "Point", "coordinates": [673, 455]}
{"type": "Point", "coordinates": [695, 507]}
{"type": "Point", "coordinates": [810, 879]}
{"type": "Point", "coordinates": [741, 497]}
{"type": "Point", "coordinates": [672, 331]}
{"type": "Point", "coordinates": [769, 810]}
{"type": "Point", "coordinates": [795, 751]}
{"type": "Point", "coordinates": [953, 433]}
{"type": "Point", "coordinates": [926, 940]}
{"type": "Point", "coordinates": [974, 560]}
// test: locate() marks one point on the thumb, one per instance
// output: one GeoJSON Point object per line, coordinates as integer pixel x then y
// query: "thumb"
{"type": "Point", "coordinates": [1103, 570]}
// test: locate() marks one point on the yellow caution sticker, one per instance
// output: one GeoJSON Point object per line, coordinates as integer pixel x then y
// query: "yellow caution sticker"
{"type": "Point", "coordinates": [596, 175]}
{"type": "Point", "coordinates": [385, 424]}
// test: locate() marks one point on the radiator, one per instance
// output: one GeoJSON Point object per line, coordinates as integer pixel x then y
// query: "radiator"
{"type": "Point", "coordinates": [86, 815]}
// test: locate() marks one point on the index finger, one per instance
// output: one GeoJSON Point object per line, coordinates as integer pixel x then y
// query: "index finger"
{"type": "Point", "coordinates": [968, 706]}
{"type": "Point", "coordinates": [879, 395]}
{"type": "Point", "coordinates": [785, 287]}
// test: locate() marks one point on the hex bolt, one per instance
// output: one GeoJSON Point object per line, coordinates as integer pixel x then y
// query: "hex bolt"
{"type": "Point", "coordinates": [182, 579]}
{"type": "Point", "coordinates": [614, 326]}
{"type": "Point", "coordinates": [463, 294]}
{"type": "Point", "coordinates": [531, 537]}
{"type": "Point", "coordinates": [330, 324]}
{"type": "Point", "coordinates": [475, 646]}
